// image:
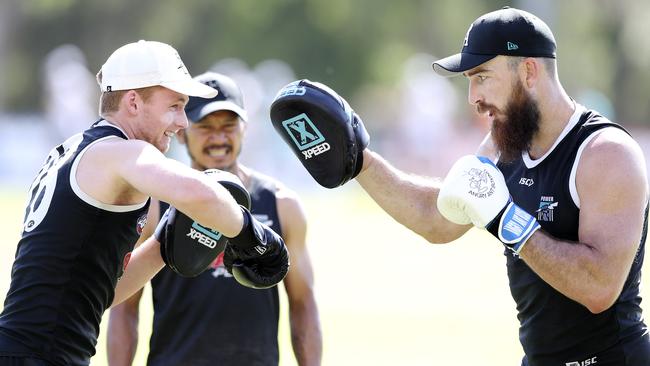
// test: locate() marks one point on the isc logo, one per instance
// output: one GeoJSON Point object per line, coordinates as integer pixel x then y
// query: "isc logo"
{"type": "Point", "coordinates": [587, 362]}
{"type": "Point", "coordinates": [305, 135]}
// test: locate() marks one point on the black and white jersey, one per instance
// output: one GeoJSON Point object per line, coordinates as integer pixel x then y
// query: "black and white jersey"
{"type": "Point", "coordinates": [555, 330]}
{"type": "Point", "coordinates": [72, 251]}
{"type": "Point", "coordinates": [211, 319]}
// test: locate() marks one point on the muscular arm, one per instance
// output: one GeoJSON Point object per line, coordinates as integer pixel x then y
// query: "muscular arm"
{"type": "Point", "coordinates": [122, 337]}
{"type": "Point", "coordinates": [133, 169]}
{"type": "Point", "coordinates": [306, 336]}
{"type": "Point", "coordinates": [612, 203]}
{"type": "Point", "coordinates": [124, 172]}
{"type": "Point", "coordinates": [408, 199]}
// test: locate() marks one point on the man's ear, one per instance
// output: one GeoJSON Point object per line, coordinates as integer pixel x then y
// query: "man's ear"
{"type": "Point", "coordinates": [182, 138]}
{"type": "Point", "coordinates": [132, 102]}
{"type": "Point", "coordinates": [531, 71]}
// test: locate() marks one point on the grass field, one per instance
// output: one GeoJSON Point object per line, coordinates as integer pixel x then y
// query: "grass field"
{"type": "Point", "coordinates": [385, 296]}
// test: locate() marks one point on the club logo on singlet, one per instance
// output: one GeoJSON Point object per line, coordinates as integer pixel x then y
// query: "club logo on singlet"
{"type": "Point", "coordinates": [547, 206]}
{"type": "Point", "coordinates": [218, 268]}
{"type": "Point", "coordinates": [142, 221]}
{"type": "Point", "coordinates": [304, 134]}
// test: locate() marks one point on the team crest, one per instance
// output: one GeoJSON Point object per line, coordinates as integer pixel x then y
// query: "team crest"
{"type": "Point", "coordinates": [546, 208]}
{"type": "Point", "coordinates": [142, 221]}
{"type": "Point", "coordinates": [218, 268]}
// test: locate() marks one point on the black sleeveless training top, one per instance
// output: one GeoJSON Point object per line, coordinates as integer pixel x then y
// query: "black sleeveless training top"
{"type": "Point", "coordinates": [211, 319]}
{"type": "Point", "coordinates": [72, 251]}
{"type": "Point", "coordinates": [555, 330]}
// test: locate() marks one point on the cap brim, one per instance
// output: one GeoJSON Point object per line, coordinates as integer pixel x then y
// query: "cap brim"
{"type": "Point", "coordinates": [196, 114]}
{"type": "Point", "coordinates": [191, 88]}
{"type": "Point", "coordinates": [459, 63]}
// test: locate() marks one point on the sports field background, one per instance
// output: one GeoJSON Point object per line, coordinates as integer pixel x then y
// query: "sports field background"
{"type": "Point", "coordinates": [386, 297]}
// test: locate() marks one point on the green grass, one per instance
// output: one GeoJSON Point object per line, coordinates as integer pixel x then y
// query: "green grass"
{"type": "Point", "coordinates": [385, 296]}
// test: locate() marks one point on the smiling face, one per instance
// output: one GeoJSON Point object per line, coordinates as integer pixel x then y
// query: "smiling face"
{"type": "Point", "coordinates": [496, 89]}
{"type": "Point", "coordinates": [215, 141]}
{"type": "Point", "coordinates": [161, 117]}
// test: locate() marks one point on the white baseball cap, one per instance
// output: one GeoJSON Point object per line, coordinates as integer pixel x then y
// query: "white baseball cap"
{"type": "Point", "coordinates": [146, 63]}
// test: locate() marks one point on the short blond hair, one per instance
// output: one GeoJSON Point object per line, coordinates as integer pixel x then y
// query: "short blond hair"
{"type": "Point", "coordinates": [109, 101]}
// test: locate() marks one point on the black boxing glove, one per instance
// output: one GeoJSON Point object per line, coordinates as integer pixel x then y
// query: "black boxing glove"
{"type": "Point", "coordinates": [187, 247]}
{"type": "Point", "coordinates": [257, 257]}
{"type": "Point", "coordinates": [322, 131]}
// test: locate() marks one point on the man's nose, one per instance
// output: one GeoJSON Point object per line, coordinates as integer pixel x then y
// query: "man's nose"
{"type": "Point", "coordinates": [473, 96]}
{"type": "Point", "coordinates": [182, 121]}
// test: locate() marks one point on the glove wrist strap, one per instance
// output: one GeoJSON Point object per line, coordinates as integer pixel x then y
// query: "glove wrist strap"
{"type": "Point", "coordinates": [249, 236]}
{"type": "Point", "coordinates": [513, 227]}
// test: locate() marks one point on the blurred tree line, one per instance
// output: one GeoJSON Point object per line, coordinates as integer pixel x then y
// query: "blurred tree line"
{"type": "Point", "coordinates": [602, 44]}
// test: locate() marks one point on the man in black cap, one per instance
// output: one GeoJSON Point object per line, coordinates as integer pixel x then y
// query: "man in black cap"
{"type": "Point", "coordinates": [573, 233]}
{"type": "Point", "coordinates": [211, 319]}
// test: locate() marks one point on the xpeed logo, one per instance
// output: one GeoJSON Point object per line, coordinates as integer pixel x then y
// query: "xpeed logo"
{"type": "Point", "coordinates": [204, 235]}
{"type": "Point", "coordinates": [142, 221]}
{"type": "Point", "coordinates": [291, 89]}
{"type": "Point", "coordinates": [307, 138]}
{"type": "Point", "coordinates": [546, 208]}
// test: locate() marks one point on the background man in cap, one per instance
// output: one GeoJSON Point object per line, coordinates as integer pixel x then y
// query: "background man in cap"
{"type": "Point", "coordinates": [211, 319]}
{"type": "Point", "coordinates": [87, 205]}
{"type": "Point", "coordinates": [574, 234]}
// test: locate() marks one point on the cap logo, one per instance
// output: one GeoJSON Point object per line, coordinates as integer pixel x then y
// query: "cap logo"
{"type": "Point", "coordinates": [466, 42]}
{"type": "Point", "coordinates": [512, 46]}
{"type": "Point", "coordinates": [181, 65]}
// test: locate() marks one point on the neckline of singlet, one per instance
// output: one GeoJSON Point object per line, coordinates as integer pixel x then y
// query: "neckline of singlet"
{"type": "Point", "coordinates": [103, 122]}
{"type": "Point", "coordinates": [575, 117]}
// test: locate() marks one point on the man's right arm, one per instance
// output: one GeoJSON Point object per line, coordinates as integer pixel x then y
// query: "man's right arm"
{"type": "Point", "coordinates": [335, 152]}
{"type": "Point", "coordinates": [409, 199]}
{"type": "Point", "coordinates": [122, 337]}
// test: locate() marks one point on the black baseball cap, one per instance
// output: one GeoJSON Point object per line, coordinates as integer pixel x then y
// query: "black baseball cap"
{"type": "Point", "coordinates": [507, 31]}
{"type": "Point", "coordinates": [229, 98]}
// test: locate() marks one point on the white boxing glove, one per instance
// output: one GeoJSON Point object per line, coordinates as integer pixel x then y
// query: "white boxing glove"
{"type": "Point", "coordinates": [475, 192]}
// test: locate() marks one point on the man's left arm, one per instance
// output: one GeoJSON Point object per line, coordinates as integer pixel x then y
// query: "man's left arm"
{"type": "Point", "coordinates": [306, 336]}
{"type": "Point", "coordinates": [613, 191]}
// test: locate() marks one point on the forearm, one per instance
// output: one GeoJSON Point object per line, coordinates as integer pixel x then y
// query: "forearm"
{"type": "Point", "coordinates": [408, 199]}
{"type": "Point", "coordinates": [306, 337]}
{"type": "Point", "coordinates": [122, 337]}
{"type": "Point", "coordinates": [213, 206]}
{"type": "Point", "coordinates": [144, 263]}
{"type": "Point", "coordinates": [577, 270]}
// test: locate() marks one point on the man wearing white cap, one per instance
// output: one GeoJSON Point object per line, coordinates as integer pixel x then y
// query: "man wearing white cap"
{"type": "Point", "coordinates": [210, 319]}
{"type": "Point", "coordinates": [88, 203]}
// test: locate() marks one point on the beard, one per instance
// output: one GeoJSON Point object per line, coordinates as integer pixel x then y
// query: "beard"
{"type": "Point", "coordinates": [514, 129]}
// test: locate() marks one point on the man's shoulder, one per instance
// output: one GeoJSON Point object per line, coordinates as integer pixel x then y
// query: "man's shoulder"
{"type": "Point", "coordinates": [273, 184]}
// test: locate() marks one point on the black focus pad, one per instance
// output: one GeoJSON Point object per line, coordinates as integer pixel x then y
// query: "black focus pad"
{"type": "Point", "coordinates": [190, 248]}
{"type": "Point", "coordinates": [322, 131]}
